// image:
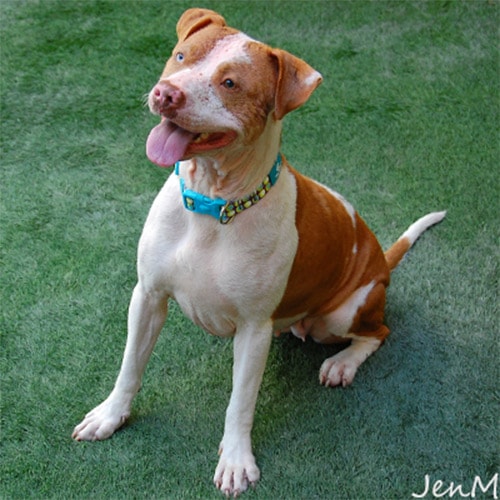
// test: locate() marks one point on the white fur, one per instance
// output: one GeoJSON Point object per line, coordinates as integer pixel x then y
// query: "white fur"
{"type": "Point", "coordinates": [340, 321]}
{"type": "Point", "coordinates": [313, 77]}
{"type": "Point", "coordinates": [221, 278]}
{"type": "Point", "coordinates": [418, 227]}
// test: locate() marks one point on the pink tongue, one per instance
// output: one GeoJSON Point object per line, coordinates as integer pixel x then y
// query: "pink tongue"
{"type": "Point", "coordinates": [167, 143]}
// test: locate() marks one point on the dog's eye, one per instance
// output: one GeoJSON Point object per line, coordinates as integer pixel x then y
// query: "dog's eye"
{"type": "Point", "coordinates": [229, 84]}
{"type": "Point", "coordinates": [179, 57]}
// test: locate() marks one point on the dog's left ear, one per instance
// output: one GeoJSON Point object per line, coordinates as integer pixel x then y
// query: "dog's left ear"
{"type": "Point", "coordinates": [296, 82]}
{"type": "Point", "coordinates": [194, 20]}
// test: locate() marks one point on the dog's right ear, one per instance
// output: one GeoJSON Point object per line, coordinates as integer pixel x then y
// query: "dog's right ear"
{"type": "Point", "coordinates": [194, 20]}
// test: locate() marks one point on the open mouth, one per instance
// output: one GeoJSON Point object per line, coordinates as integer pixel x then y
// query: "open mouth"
{"type": "Point", "coordinates": [168, 143]}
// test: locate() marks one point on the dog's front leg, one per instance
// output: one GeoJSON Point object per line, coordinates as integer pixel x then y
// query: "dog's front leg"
{"type": "Point", "coordinates": [146, 317]}
{"type": "Point", "coordinates": [237, 467]}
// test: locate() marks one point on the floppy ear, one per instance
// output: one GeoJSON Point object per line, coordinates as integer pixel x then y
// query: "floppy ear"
{"type": "Point", "coordinates": [194, 20]}
{"type": "Point", "coordinates": [296, 82]}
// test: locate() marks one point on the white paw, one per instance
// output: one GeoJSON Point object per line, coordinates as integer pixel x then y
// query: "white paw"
{"type": "Point", "coordinates": [333, 372]}
{"type": "Point", "coordinates": [341, 368]}
{"type": "Point", "coordinates": [235, 472]}
{"type": "Point", "coordinates": [101, 422]}
{"type": "Point", "coordinates": [338, 370]}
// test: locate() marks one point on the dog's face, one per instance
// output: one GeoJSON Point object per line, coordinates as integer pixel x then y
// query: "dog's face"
{"type": "Point", "coordinates": [219, 88]}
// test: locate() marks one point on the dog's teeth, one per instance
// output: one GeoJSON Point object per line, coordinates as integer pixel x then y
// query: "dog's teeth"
{"type": "Point", "coordinates": [202, 137]}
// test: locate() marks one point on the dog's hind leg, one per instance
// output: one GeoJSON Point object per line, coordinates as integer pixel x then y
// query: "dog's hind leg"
{"type": "Point", "coordinates": [147, 314]}
{"type": "Point", "coordinates": [366, 332]}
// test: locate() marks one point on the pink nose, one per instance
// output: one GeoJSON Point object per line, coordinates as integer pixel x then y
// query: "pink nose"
{"type": "Point", "coordinates": [167, 97]}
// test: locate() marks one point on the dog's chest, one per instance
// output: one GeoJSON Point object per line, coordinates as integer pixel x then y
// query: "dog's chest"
{"type": "Point", "coordinates": [197, 274]}
{"type": "Point", "coordinates": [219, 275]}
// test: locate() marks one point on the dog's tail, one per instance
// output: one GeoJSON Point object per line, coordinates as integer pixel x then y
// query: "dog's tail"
{"type": "Point", "coordinates": [394, 255]}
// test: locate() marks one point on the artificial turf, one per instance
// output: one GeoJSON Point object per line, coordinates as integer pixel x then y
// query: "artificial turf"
{"type": "Point", "coordinates": [405, 122]}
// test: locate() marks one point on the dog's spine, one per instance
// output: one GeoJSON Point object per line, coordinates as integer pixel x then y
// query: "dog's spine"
{"type": "Point", "coordinates": [397, 251]}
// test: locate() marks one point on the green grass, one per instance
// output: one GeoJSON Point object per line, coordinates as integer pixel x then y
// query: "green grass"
{"type": "Point", "coordinates": [405, 122]}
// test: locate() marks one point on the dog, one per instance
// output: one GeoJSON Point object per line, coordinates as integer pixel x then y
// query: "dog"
{"type": "Point", "coordinates": [245, 244]}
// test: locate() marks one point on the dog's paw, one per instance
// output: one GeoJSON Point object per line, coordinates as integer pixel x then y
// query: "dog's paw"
{"type": "Point", "coordinates": [341, 368]}
{"type": "Point", "coordinates": [101, 422]}
{"type": "Point", "coordinates": [235, 472]}
{"type": "Point", "coordinates": [338, 370]}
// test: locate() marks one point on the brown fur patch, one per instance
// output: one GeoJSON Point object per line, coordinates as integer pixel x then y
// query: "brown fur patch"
{"type": "Point", "coordinates": [326, 271]}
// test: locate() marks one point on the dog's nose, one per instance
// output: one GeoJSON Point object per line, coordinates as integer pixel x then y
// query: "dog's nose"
{"type": "Point", "coordinates": [167, 97]}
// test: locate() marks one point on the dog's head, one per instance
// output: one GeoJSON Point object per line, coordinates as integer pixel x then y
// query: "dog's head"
{"type": "Point", "coordinates": [219, 89]}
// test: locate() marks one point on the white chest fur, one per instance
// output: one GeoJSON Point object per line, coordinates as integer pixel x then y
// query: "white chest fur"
{"type": "Point", "coordinates": [220, 274]}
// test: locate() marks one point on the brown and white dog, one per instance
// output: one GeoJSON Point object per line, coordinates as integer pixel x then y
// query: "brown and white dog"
{"type": "Point", "coordinates": [244, 243]}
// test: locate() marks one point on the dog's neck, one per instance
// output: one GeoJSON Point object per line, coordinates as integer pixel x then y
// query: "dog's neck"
{"type": "Point", "coordinates": [235, 172]}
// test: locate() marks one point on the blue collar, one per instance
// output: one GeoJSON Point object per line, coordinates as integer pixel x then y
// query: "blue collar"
{"type": "Point", "coordinates": [223, 210]}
